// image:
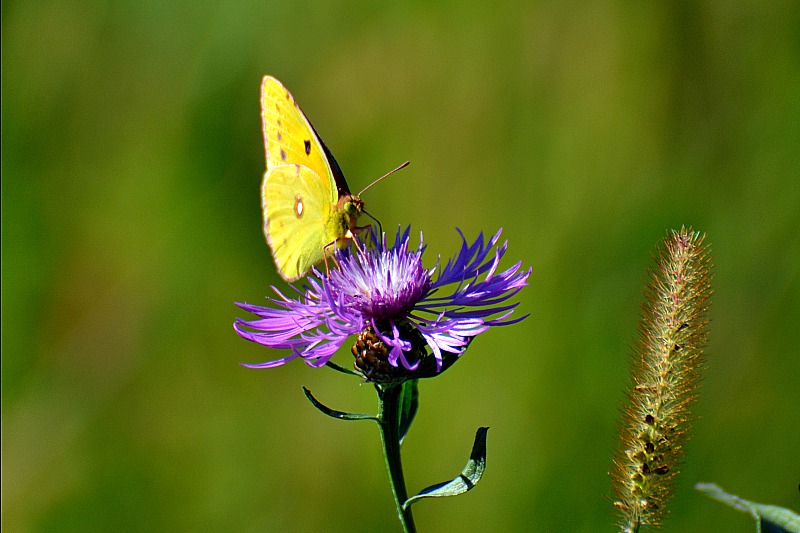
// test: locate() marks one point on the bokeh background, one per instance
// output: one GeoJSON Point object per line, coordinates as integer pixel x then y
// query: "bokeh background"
{"type": "Point", "coordinates": [131, 164]}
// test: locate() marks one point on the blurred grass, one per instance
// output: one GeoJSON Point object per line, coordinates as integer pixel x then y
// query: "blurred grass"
{"type": "Point", "coordinates": [131, 160]}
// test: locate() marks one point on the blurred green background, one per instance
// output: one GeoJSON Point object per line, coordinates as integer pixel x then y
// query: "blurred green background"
{"type": "Point", "coordinates": [131, 164]}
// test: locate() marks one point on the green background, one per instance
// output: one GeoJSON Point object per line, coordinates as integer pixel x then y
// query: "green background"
{"type": "Point", "coordinates": [131, 164]}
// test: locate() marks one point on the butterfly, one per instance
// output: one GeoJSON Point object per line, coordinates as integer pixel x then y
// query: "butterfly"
{"type": "Point", "coordinates": [307, 207]}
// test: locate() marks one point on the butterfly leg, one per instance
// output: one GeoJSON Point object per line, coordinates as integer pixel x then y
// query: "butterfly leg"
{"type": "Point", "coordinates": [359, 229]}
{"type": "Point", "coordinates": [369, 231]}
{"type": "Point", "coordinates": [326, 254]}
{"type": "Point", "coordinates": [329, 251]}
{"type": "Point", "coordinates": [358, 247]}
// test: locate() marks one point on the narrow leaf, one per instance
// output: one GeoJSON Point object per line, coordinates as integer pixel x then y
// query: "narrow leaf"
{"type": "Point", "coordinates": [409, 402]}
{"type": "Point", "coordinates": [465, 481]}
{"type": "Point", "coordinates": [334, 366]}
{"type": "Point", "coordinates": [769, 518]}
{"type": "Point", "coordinates": [341, 415]}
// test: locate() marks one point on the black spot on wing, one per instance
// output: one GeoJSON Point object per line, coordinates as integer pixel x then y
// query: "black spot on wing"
{"type": "Point", "coordinates": [338, 176]}
{"type": "Point", "coordinates": [283, 155]}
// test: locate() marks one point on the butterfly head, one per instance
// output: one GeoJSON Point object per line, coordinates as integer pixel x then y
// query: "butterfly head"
{"type": "Point", "coordinates": [352, 206]}
{"type": "Point", "coordinates": [344, 222]}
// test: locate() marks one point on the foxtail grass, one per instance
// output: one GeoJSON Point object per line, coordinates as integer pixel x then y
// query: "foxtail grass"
{"type": "Point", "coordinates": [664, 373]}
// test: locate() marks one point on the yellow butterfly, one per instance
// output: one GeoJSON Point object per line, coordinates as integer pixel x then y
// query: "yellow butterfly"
{"type": "Point", "coordinates": [308, 208]}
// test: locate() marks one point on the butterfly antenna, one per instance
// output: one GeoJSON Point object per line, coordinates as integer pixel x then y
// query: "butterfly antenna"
{"type": "Point", "coordinates": [404, 165]}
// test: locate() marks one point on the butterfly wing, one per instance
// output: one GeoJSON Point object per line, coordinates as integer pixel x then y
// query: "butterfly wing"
{"type": "Point", "coordinates": [297, 208]}
{"type": "Point", "coordinates": [289, 137]}
{"type": "Point", "coordinates": [299, 192]}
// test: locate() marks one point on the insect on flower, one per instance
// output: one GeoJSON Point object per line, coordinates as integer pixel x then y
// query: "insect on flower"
{"type": "Point", "coordinates": [387, 297]}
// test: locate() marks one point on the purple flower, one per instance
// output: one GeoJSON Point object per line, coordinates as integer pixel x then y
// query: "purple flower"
{"type": "Point", "coordinates": [386, 293]}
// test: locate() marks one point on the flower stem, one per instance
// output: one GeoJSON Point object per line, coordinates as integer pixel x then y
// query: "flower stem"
{"type": "Point", "coordinates": [389, 422]}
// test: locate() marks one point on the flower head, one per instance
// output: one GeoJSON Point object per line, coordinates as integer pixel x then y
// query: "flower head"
{"type": "Point", "coordinates": [395, 306]}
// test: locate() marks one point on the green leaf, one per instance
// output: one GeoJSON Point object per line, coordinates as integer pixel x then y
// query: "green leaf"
{"type": "Point", "coordinates": [341, 415]}
{"type": "Point", "coordinates": [334, 366]}
{"type": "Point", "coordinates": [468, 478]}
{"type": "Point", "coordinates": [409, 403]}
{"type": "Point", "coordinates": [769, 518]}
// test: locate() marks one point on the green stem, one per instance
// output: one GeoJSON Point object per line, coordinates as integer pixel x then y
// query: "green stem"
{"type": "Point", "coordinates": [389, 422]}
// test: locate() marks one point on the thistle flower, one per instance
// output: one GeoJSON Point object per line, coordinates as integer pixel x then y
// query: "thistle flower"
{"type": "Point", "coordinates": [664, 372]}
{"type": "Point", "coordinates": [395, 306]}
